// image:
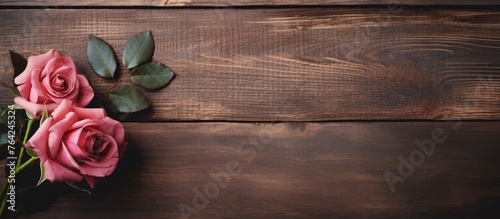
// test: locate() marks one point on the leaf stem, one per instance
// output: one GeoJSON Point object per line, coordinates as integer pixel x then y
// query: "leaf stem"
{"type": "Point", "coordinates": [114, 85]}
{"type": "Point", "coordinates": [28, 129]}
{"type": "Point", "coordinates": [20, 157]}
{"type": "Point", "coordinates": [27, 164]}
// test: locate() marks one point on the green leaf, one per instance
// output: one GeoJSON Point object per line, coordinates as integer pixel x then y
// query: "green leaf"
{"type": "Point", "coordinates": [13, 90]}
{"type": "Point", "coordinates": [152, 75]}
{"type": "Point", "coordinates": [30, 116]}
{"type": "Point", "coordinates": [18, 62]}
{"type": "Point", "coordinates": [138, 50]}
{"type": "Point", "coordinates": [31, 152]}
{"type": "Point", "coordinates": [45, 114]}
{"type": "Point", "coordinates": [128, 99]}
{"type": "Point", "coordinates": [101, 57]}
{"type": "Point", "coordinates": [42, 175]}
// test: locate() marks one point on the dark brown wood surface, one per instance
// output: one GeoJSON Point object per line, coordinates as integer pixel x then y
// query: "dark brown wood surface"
{"type": "Point", "coordinates": [184, 3]}
{"type": "Point", "coordinates": [270, 88]}
{"type": "Point", "coordinates": [317, 64]}
{"type": "Point", "coordinates": [303, 170]}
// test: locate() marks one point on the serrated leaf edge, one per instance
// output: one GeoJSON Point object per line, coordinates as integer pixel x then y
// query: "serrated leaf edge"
{"type": "Point", "coordinates": [135, 82]}
{"type": "Point", "coordinates": [133, 57]}
{"type": "Point", "coordinates": [100, 56]}
{"type": "Point", "coordinates": [140, 109]}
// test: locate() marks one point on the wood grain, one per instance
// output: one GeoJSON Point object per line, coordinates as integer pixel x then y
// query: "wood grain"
{"type": "Point", "coordinates": [288, 64]}
{"type": "Point", "coordinates": [226, 3]}
{"type": "Point", "coordinates": [302, 170]}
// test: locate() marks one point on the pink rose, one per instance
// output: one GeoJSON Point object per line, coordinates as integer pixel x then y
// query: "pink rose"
{"type": "Point", "coordinates": [51, 78]}
{"type": "Point", "coordinates": [76, 143]}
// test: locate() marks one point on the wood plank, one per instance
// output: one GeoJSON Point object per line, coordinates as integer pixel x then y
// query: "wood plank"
{"type": "Point", "coordinates": [302, 170]}
{"type": "Point", "coordinates": [289, 64]}
{"type": "Point", "coordinates": [230, 3]}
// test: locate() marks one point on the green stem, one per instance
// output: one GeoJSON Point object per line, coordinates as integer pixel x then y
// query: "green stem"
{"type": "Point", "coordinates": [20, 157]}
{"type": "Point", "coordinates": [19, 168]}
{"type": "Point", "coordinates": [28, 129]}
{"type": "Point", "coordinates": [114, 85]}
{"type": "Point", "coordinates": [26, 165]}
{"type": "Point", "coordinates": [4, 196]}
{"type": "Point", "coordinates": [6, 185]}
{"type": "Point", "coordinates": [26, 135]}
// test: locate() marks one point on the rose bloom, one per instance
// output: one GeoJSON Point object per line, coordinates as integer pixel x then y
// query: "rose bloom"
{"type": "Point", "coordinates": [49, 79]}
{"type": "Point", "coordinates": [76, 143]}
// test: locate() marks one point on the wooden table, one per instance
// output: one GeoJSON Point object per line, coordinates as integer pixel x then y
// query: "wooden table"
{"type": "Point", "coordinates": [292, 108]}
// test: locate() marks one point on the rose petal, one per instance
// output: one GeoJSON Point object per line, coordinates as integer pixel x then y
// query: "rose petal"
{"type": "Point", "coordinates": [85, 92]}
{"type": "Point", "coordinates": [89, 113]}
{"type": "Point", "coordinates": [56, 133]}
{"type": "Point", "coordinates": [68, 62]}
{"type": "Point", "coordinates": [64, 157]}
{"type": "Point", "coordinates": [71, 89]}
{"type": "Point", "coordinates": [38, 142]}
{"type": "Point", "coordinates": [64, 79]}
{"type": "Point", "coordinates": [111, 127]}
{"type": "Point", "coordinates": [75, 137]}
{"type": "Point", "coordinates": [35, 62]}
{"type": "Point", "coordinates": [34, 108]}
{"type": "Point", "coordinates": [63, 109]}
{"type": "Point", "coordinates": [54, 65]}
{"type": "Point", "coordinates": [100, 171]}
{"type": "Point", "coordinates": [117, 131]}
{"type": "Point", "coordinates": [37, 93]}
{"type": "Point", "coordinates": [61, 67]}
{"type": "Point", "coordinates": [110, 151]}
{"type": "Point", "coordinates": [25, 89]}
{"type": "Point", "coordinates": [54, 172]}
{"type": "Point", "coordinates": [102, 146]}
